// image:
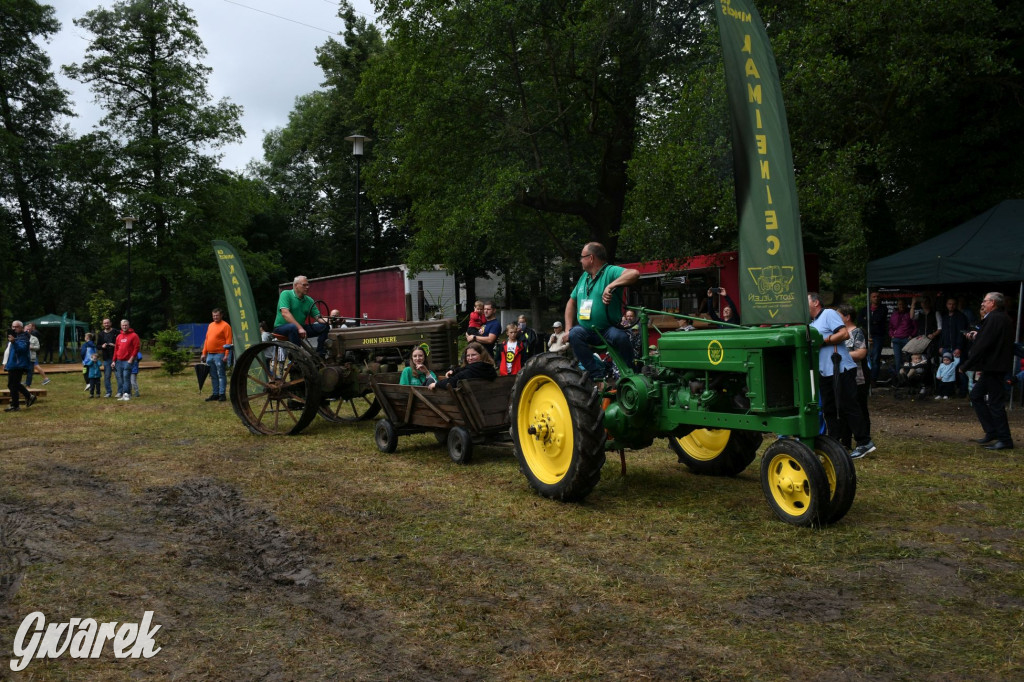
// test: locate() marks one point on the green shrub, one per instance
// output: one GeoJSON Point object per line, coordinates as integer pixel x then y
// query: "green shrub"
{"type": "Point", "coordinates": [172, 359]}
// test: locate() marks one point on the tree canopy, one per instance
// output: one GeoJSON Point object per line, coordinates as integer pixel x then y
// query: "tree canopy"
{"type": "Point", "coordinates": [504, 133]}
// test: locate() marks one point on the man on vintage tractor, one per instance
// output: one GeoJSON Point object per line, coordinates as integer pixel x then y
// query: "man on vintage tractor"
{"type": "Point", "coordinates": [294, 306]}
{"type": "Point", "coordinates": [593, 311]}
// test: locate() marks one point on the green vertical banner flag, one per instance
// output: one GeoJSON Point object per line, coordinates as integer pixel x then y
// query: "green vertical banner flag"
{"type": "Point", "coordinates": [773, 284]}
{"type": "Point", "coordinates": [241, 307]}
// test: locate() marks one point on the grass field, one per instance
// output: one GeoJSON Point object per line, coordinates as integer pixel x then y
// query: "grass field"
{"type": "Point", "coordinates": [318, 557]}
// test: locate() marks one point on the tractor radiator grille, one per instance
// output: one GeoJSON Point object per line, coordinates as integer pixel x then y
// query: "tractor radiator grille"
{"type": "Point", "coordinates": [779, 381]}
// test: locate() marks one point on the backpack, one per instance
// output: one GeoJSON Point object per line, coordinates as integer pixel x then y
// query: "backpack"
{"type": "Point", "coordinates": [534, 345]}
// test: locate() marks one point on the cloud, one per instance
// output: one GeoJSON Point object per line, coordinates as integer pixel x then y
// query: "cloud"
{"type": "Point", "coordinates": [262, 53]}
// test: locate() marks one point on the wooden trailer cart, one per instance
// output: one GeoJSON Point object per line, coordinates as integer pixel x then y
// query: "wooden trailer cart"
{"type": "Point", "coordinates": [474, 412]}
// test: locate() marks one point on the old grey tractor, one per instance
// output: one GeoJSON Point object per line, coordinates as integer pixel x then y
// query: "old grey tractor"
{"type": "Point", "coordinates": [278, 387]}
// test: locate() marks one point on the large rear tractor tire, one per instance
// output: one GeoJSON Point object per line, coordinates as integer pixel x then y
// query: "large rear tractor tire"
{"type": "Point", "coordinates": [275, 388]}
{"type": "Point", "coordinates": [557, 428]}
{"type": "Point", "coordinates": [841, 476]}
{"type": "Point", "coordinates": [717, 452]}
{"type": "Point", "coordinates": [794, 483]}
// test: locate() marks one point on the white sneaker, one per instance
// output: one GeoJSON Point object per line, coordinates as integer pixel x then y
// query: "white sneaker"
{"type": "Point", "coordinates": [945, 397]}
{"type": "Point", "coordinates": [938, 397]}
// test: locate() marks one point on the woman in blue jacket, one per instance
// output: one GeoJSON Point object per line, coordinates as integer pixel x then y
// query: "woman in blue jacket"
{"type": "Point", "coordinates": [17, 364]}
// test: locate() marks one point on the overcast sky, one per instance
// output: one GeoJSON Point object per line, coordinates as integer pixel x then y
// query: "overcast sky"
{"type": "Point", "coordinates": [261, 52]}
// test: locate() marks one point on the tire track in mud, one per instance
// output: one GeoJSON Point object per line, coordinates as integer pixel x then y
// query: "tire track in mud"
{"type": "Point", "coordinates": [209, 526]}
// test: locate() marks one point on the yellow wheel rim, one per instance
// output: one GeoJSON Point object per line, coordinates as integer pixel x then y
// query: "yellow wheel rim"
{"type": "Point", "coordinates": [789, 485]}
{"type": "Point", "coordinates": [704, 444]}
{"type": "Point", "coordinates": [545, 429]}
{"type": "Point", "coordinates": [830, 472]}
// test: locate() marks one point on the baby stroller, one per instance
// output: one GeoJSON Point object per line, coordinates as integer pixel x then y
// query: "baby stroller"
{"type": "Point", "coordinates": [916, 378]}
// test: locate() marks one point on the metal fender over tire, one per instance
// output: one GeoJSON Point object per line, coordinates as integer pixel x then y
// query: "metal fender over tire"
{"type": "Point", "coordinates": [460, 445]}
{"type": "Point", "coordinates": [275, 388]}
{"type": "Point", "coordinates": [557, 428]}
{"type": "Point", "coordinates": [385, 436]}
{"type": "Point", "coordinates": [841, 476]}
{"type": "Point", "coordinates": [794, 482]}
{"type": "Point", "coordinates": [717, 452]}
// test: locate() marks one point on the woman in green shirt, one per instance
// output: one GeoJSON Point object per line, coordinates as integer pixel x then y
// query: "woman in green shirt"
{"type": "Point", "coordinates": [417, 373]}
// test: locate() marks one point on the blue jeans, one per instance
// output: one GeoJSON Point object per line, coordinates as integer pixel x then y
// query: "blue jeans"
{"type": "Point", "coordinates": [317, 329]}
{"type": "Point", "coordinates": [875, 356]}
{"type": "Point", "coordinates": [582, 340]}
{"type": "Point", "coordinates": [897, 353]}
{"type": "Point", "coordinates": [124, 376]}
{"type": "Point", "coordinates": [108, 367]}
{"type": "Point", "coordinates": [218, 373]}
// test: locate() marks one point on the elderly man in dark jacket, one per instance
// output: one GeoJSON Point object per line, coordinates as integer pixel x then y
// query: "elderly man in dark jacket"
{"type": "Point", "coordinates": [990, 356]}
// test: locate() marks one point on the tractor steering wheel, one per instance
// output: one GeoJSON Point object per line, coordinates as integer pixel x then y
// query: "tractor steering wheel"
{"type": "Point", "coordinates": [321, 311]}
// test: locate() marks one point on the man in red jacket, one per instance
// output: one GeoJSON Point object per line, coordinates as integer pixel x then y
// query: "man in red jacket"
{"type": "Point", "coordinates": [126, 347]}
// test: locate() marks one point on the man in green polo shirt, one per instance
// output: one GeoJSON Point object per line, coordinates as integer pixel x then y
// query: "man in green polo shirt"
{"type": "Point", "coordinates": [596, 306]}
{"type": "Point", "coordinates": [293, 307]}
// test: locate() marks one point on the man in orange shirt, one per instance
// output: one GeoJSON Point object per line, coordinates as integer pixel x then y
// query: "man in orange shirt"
{"type": "Point", "coordinates": [218, 335]}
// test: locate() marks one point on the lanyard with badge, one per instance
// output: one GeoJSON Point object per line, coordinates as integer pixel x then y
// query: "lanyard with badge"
{"type": "Point", "coordinates": [587, 304]}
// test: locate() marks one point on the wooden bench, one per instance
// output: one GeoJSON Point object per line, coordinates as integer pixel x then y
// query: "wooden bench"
{"type": "Point", "coordinates": [5, 395]}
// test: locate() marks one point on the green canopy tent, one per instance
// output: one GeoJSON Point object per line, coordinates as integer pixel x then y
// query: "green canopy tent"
{"type": "Point", "coordinates": [63, 323]}
{"type": "Point", "coordinates": [986, 248]}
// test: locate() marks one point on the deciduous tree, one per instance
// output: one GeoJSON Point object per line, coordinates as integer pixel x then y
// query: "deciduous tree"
{"type": "Point", "coordinates": [144, 65]}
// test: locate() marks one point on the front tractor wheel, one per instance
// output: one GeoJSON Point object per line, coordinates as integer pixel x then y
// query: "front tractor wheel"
{"type": "Point", "coordinates": [717, 452]}
{"type": "Point", "coordinates": [360, 407]}
{"type": "Point", "coordinates": [841, 476]}
{"type": "Point", "coordinates": [557, 431]}
{"type": "Point", "coordinates": [794, 483]}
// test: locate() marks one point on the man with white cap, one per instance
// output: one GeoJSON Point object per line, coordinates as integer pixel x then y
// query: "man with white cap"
{"type": "Point", "coordinates": [555, 342]}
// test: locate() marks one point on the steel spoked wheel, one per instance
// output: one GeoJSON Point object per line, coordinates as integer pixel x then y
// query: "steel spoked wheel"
{"type": "Point", "coordinates": [794, 482]}
{"type": "Point", "coordinates": [361, 407]}
{"type": "Point", "coordinates": [840, 474]}
{"type": "Point", "coordinates": [717, 452]}
{"type": "Point", "coordinates": [557, 429]}
{"type": "Point", "coordinates": [275, 388]}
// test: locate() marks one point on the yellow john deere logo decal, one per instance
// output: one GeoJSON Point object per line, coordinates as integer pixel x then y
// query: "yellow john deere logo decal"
{"type": "Point", "coordinates": [715, 352]}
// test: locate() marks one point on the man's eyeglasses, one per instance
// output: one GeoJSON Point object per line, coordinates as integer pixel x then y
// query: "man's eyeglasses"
{"type": "Point", "coordinates": [586, 256]}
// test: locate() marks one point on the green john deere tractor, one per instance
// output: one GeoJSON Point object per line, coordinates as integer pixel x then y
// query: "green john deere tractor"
{"type": "Point", "coordinates": [713, 394]}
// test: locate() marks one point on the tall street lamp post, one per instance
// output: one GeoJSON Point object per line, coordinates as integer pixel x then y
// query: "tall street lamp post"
{"type": "Point", "coordinates": [128, 220]}
{"type": "Point", "coordinates": [357, 141]}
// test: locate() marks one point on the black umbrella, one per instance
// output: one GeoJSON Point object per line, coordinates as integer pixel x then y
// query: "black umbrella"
{"type": "Point", "coordinates": [837, 360]}
{"type": "Point", "coordinates": [202, 371]}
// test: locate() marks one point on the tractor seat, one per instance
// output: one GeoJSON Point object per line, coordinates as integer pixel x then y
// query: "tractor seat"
{"type": "Point", "coordinates": [280, 337]}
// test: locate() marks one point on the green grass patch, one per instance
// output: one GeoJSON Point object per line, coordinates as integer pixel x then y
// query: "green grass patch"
{"type": "Point", "coordinates": [316, 556]}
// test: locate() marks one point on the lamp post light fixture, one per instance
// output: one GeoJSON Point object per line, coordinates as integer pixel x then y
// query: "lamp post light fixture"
{"type": "Point", "coordinates": [357, 141]}
{"type": "Point", "coordinates": [128, 220]}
